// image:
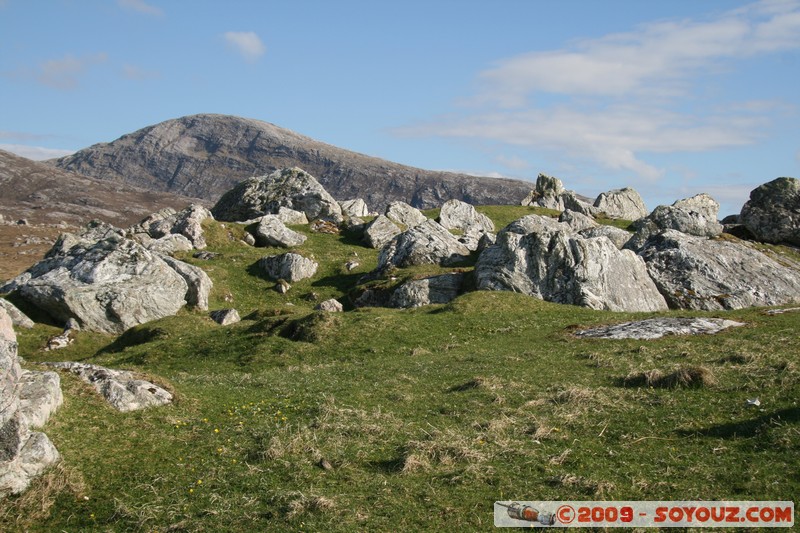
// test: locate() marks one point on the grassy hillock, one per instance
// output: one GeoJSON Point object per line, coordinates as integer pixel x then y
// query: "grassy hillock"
{"type": "Point", "coordinates": [406, 420]}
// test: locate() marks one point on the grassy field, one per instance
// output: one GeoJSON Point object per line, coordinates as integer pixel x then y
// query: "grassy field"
{"type": "Point", "coordinates": [406, 420]}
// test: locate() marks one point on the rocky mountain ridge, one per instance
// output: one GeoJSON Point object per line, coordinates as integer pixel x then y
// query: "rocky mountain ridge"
{"type": "Point", "coordinates": [206, 155]}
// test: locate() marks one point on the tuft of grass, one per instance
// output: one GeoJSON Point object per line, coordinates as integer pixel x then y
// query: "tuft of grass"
{"type": "Point", "coordinates": [682, 377]}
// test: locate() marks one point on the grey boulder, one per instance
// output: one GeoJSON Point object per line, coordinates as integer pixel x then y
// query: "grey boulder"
{"type": "Point", "coordinates": [292, 188]}
{"type": "Point", "coordinates": [425, 244]}
{"type": "Point", "coordinates": [290, 267]}
{"type": "Point", "coordinates": [291, 217]}
{"type": "Point", "coordinates": [225, 317]}
{"type": "Point", "coordinates": [272, 232]}
{"type": "Point", "coordinates": [403, 214]}
{"type": "Point", "coordinates": [119, 388]}
{"type": "Point", "coordinates": [693, 216]}
{"type": "Point", "coordinates": [187, 223]}
{"type": "Point", "coordinates": [618, 236]}
{"type": "Point", "coordinates": [380, 231]}
{"type": "Point", "coordinates": [699, 273]}
{"type": "Point", "coordinates": [772, 213]}
{"type": "Point", "coordinates": [621, 203]}
{"type": "Point", "coordinates": [169, 244]}
{"type": "Point", "coordinates": [354, 208]}
{"type": "Point", "coordinates": [18, 318]}
{"type": "Point", "coordinates": [546, 259]}
{"type": "Point", "coordinates": [330, 306]}
{"type": "Point", "coordinates": [433, 290]}
{"type": "Point", "coordinates": [654, 328]}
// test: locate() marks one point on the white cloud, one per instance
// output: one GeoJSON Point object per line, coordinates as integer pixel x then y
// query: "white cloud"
{"type": "Point", "coordinates": [61, 73]}
{"type": "Point", "coordinates": [247, 43]}
{"type": "Point", "coordinates": [513, 162]}
{"type": "Point", "coordinates": [133, 72]}
{"type": "Point", "coordinates": [37, 153]}
{"type": "Point", "coordinates": [621, 96]}
{"type": "Point", "coordinates": [140, 6]}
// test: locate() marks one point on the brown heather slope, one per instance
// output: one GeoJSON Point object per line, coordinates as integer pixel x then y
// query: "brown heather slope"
{"type": "Point", "coordinates": [54, 200]}
{"type": "Point", "coordinates": [206, 155]}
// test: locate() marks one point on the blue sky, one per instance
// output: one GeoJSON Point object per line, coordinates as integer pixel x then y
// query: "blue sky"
{"type": "Point", "coordinates": [673, 98]}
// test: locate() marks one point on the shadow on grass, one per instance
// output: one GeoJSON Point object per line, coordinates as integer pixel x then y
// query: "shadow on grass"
{"type": "Point", "coordinates": [747, 428]}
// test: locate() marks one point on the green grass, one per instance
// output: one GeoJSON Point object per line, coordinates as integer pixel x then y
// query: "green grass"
{"type": "Point", "coordinates": [423, 417]}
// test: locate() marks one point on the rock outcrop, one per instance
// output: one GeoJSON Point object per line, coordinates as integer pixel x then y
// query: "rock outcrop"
{"type": "Point", "coordinates": [694, 216]}
{"type": "Point", "coordinates": [26, 401]}
{"type": "Point", "coordinates": [110, 283]}
{"type": "Point", "coordinates": [18, 318]}
{"type": "Point", "coordinates": [433, 290]}
{"type": "Point", "coordinates": [462, 217]}
{"type": "Point", "coordinates": [380, 231]}
{"type": "Point", "coordinates": [549, 193]}
{"type": "Point", "coordinates": [543, 258]}
{"type": "Point", "coordinates": [291, 217]}
{"type": "Point", "coordinates": [425, 244]}
{"type": "Point", "coordinates": [655, 328]}
{"type": "Point", "coordinates": [292, 188]}
{"type": "Point", "coordinates": [204, 156]}
{"type": "Point", "coordinates": [354, 208]}
{"type": "Point", "coordinates": [166, 222]}
{"type": "Point", "coordinates": [403, 214]}
{"type": "Point", "coordinates": [624, 203]}
{"type": "Point", "coordinates": [618, 236]}
{"type": "Point", "coordinates": [288, 267]}
{"type": "Point", "coordinates": [119, 388]}
{"type": "Point", "coordinates": [772, 214]}
{"type": "Point", "coordinates": [700, 273]}
{"type": "Point", "coordinates": [270, 231]}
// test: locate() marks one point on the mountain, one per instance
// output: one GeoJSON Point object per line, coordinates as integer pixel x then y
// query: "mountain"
{"type": "Point", "coordinates": [206, 155]}
{"type": "Point", "coordinates": [43, 194]}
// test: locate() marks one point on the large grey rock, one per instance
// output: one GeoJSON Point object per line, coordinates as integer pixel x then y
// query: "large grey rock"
{"type": "Point", "coordinates": [459, 215]}
{"type": "Point", "coordinates": [289, 267]}
{"type": "Point", "coordinates": [380, 231]}
{"type": "Point", "coordinates": [291, 217]}
{"type": "Point", "coordinates": [354, 208]}
{"type": "Point", "coordinates": [544, 258]}
{"type": "Point", "coordinates": [18, 318]}
{"type": "Point", "coordinates": [621, 203]}
{"type": "Point", "coordinates": [405, 215]}
{"type": "Point", "coordinates": [292, 187]}
{"type": "Point", "coordinates": [225, 317]}
{"type": "Point", "coordinates": [119, 388]}
{"type": "Point", "coordinates": [169, 244]}
{"type": "Point", "coordinates": [198, 284]}
{"type": "Point", "coordinates": [572, 202]}
{"type": "Point", "coordinates": [616, 235]}
{"type": "Point", "coordinates": [699, 273]}
{"type": "Point", "coordinates": [577, 221]}
{"type": "Point", "coordinates": [433, 290]}
{"type": "Point", "coordinates": [187, 223]}
{"type": "Point", "coordinates": [654, 328]}
{"type": "Point", "coordinates": [110, 283]}
{"type": "Point", "coordinates": [24, 454]}
{"type": "Point", "coordinates": [547, 193]}
{"type": "Point", "coordinates": [772, 213]}
{"type": "Point", "coordinates": [272, 232]}
{"type": "Point", "coordinates": [39, 396]}
{"type": "Point", "coordinates": [694, 216]}
{"type": "Point", "coordinates": [424, 244]}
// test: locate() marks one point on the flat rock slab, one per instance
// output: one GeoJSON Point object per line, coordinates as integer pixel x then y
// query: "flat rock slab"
{"type": "Point", "coordinates": [119, 387]}
{"type": "Point", "coordinates": [655, 328]}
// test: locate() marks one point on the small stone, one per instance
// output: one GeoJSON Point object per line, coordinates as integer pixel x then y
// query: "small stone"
{"type": "Point", "coordinates": [331, 306]}
{"type": "Point", "coordinates": [282, 286]}
{"type": "Point", "coordinates": [225, 317]}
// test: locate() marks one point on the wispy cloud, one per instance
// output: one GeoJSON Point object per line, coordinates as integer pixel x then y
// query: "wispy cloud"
{"type": "Point", "coordinates": [37, 153]}
{"type": "Point", "coordinates": [247, 43]}
{"type": "Point", "coordinates": [62, 74]}
{"type": "Point", "coordinates": [132, 72]}
{"type": "Point", "coordinates": [140, 6]}
{"type": "Point", "coordinates": [615, 98]}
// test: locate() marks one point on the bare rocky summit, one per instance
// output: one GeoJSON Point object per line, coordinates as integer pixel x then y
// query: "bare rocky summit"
{"type": "Point", "coordinates": [206, 155]}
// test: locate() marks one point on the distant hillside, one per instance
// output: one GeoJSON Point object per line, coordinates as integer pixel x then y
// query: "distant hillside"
{"type": "Point", "coordinates": [205, 155]}
{"type": "Point", "coordinates": [43, 194]}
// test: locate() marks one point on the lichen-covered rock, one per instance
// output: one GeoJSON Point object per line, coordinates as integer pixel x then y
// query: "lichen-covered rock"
{"type": "Point", "coordinates": [571, 202]}
{"type": "Point", "coordinates": [544, 258]}
{"type": "Point", "coordinates": [405, 215]}
{"type": "Point", "coordinates": [39, 396]}
{"type": "Point", "coordinates": [18, 318]}
{"type": "Point", "coordinates": [694, 216]}
{"type": "Point", "coordinates": [187, 223]}
{"type": "Point", "coordinates": [110, 283]}
{"type": "Point", "coordinates": [380, 231]}
{"type": "Point", "coordinates": [433, 290]}
{"type": "Point", "coordinates": [169, 244]}
{"type": "Point", "coordinates": [119, 388]}
{"type": "Point", "coordinates": [272, 232]}
{"type": "Point", "coordinates": [616, 235]}
{"type": "Point", "coordinates": [291, 217]}
{"type": "Point", "coordinates": [547, 193]}
{"type": "Point", "coordinates": [290, 267]}
{"type": "Point", "coordinates": [292, 188]}
{"type": "Point", "coordinates": [621, 203]}
{"type": "Point", "coordinates": [425, 244]}
{"type": "Point", "coordinates": [576, 220]}
{"type": "Point", "coordinates": [772, 213]}
{"type": "Point", "coordinates": [24, 454]}
{"type": "Point", "coordinates": [699, 273]}
{"type": "Point", "coordinates": [459, 215]}
{"type": "Point", "coordinates": [330, 306]}
{"type": "Point", "coordinates": [225, 317]}
{"type": "Point", "coordinates": [354, 208]}
{"type": "Point", "coordinates": [655, 328]}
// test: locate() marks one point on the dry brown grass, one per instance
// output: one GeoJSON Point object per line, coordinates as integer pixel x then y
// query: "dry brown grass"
{"type": "Point", "coordinates": [34, 505]}
{"type": "Point", "coordinates": [681, 377]}
{"type": "Point", "coordinates": [442, 447]}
